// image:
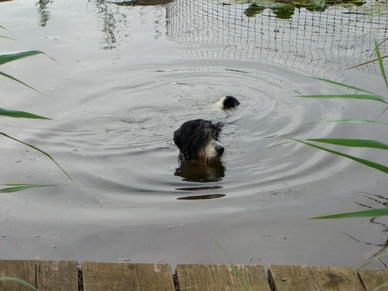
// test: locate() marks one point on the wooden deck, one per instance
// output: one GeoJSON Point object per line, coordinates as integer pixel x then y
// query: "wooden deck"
{"type": "Point", "coordinates": [91, 276]}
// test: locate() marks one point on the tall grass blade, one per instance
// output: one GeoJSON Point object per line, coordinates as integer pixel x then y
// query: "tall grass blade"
{"type": "Point", "coordinates": [13, 78]}
{"type": "Point", "coordinates": [342, 85]}
{"type": "Point", "coordinates": [371, 164]}
{"type": "Point", "coordinates": [380, 254]}
{"type": "Point", "coordinates": [356, 214]}
{"type": "Point", "coordinates": [20, 114]}
{"type": "Point", "coordinates": [24, 283]}
{"type": "Point", "coordinates": [41, 151]}
{"type": "Point", "coordinates": [21, 187]}
{"type": "Point", "coordinates": [380, 286]}
{"type": "Point", "coordinates": [13, 57]}
{"type": "Point", "coordinates": [363, 143]}
{"type": "Point", "coordinates": [348, 96]}
{"type": "Point", "coordinates": [381, 64]}
{"type": "Point", "coordinates": [7, 37]}
{"type": "Point", "coordinates": [366, 63]}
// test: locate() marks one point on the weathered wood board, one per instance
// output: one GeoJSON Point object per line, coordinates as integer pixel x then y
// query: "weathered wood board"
{"type": "Point", "coordinates": [134, 277]}
{"type": "Point", "coordinates": [304, 278]}
{"type": "Point", "coordinates": [43, 275]}
{"type": "Point", "coordinates": [374, 278]}
{"type": "Point", "coordinates": [222, 278]}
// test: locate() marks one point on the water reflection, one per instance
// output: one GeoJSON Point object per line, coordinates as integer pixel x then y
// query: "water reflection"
{"type": "Point", "coordinates": [374, 202]}
{"type": "Point", "coordinates": [109, 20]}
{"type": "Point", "coordinates": [142, 2]}
{"type": "Point", "coordinates": [44, 11]}
{"type": "Point", "coordinates": [308, 41]}
{"type": "Point", "coordinates": [195, 172]}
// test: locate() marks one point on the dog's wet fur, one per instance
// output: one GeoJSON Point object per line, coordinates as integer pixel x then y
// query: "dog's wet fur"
{"type": "Point", "coordinates": [228, 102]}
{"type": "Point", "coordinates": [198, 139]}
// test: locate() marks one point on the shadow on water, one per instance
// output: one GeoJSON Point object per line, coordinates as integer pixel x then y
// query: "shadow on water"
{"type": "Point", "coordinates": [373, 202]}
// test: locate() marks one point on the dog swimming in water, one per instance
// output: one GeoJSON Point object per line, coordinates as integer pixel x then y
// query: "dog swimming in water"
{"type": "Point", "coordinates": [198, 139]}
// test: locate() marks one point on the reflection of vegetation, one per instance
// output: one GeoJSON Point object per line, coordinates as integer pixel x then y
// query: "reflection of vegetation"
{"type": "Point", "coordinates": [141, 2]}
{"type": "Point", "coordinates": [284, 12]}
{"type": "Point", "coordinates": [109, 23]}
{"type": "Point", "coordinates": [284, 9]}
{"type": "Point", "coordinates": [252, 10]}
{"type": "Point", "coordinates": [44, 11]}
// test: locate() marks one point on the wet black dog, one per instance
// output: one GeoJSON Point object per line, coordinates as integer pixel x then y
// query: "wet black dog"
{"type": "Point", "coordinates": [198, 140]}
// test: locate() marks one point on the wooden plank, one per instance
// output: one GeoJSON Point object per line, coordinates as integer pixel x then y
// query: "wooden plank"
{"type": "Point", "coordinates": [374, 278]}
{"type": "Point", "coordinates": [134, 277]}
{"type": "Point", "coordinates": [18, 269]}
{"type": "Point", "coordinates": [57, 275]}
{"type": "Point", "coordinates": [314, 278]}
{"type": "Point", "coordinates": [222, 277]}
{"type": "Point", "coordinates": [48, 275]}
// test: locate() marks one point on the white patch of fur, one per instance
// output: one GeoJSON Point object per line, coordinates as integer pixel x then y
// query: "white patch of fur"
{"type": "Point", "coordinates": [220, 103]}
{"type": "Point", "coordinates": [210, 149]}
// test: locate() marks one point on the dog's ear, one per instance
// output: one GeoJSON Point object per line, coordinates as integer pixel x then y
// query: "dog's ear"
{"type": "Point", "coordinates": [177, 138]}
{"type": "Point", "coordinates": [220, 125]}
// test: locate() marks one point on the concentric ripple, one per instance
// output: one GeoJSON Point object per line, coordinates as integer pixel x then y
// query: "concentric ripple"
{"type": "Point", "coordinates": [123, 143]}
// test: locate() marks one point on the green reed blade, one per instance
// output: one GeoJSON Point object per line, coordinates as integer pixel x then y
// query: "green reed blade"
{"type": "Point", "coordinates": [25, 283]}
{"type": "Point", "coordinates": [379, 255]}
{"type": "Point", "coordinates": [13, 57]}
{"type": "Point", "coordinates": [381, 64]}
{"type": "Point", "coordinates": [356, 214]}
{"type": "Point", "coordinates": [371, 164]}
{"type": "Point", "coordinates": [348, 96]}
{"type": "Point", "coordinates": [364, 143]}
{"type": "Point", "coordinates": [342, 85]}
{"type": "Point", "coordinates": [7, 37]}
{"type": "Point", "coordinates": [381, 286]}
{"type": "Point", "coordinates": [21, 82]}
{"type": "Point", "coordinates": [21, 187]}
{"type": "Point", "coordinates": [41, 151]}
{"type": "Point", "coordinates": [365, 63]}
{"type": "Point", "coordinates": [20, 114]}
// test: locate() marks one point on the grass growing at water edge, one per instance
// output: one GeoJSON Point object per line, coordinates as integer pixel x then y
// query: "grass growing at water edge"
{"type": "Point", "coordinates": [22, 282]}
{"type": "Point", "coordinates": [361, 143]}
{"type": "Point", "coordinates": [4, 59]}
{"type": "Point", "coordinates": [361, 94]}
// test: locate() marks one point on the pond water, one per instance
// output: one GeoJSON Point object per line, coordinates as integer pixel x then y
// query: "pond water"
{"type": "Point", "coordinates": [125, 77]}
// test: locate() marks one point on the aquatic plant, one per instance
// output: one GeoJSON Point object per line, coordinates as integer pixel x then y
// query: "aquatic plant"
{"type": "Point", "coordinates": [362, 143]}
{"type": "Point", "coordinates": [6, 58]}
{"type": "Point", "coordinates": [285, 9]}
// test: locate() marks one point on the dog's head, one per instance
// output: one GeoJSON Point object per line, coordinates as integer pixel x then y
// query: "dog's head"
{"type": "Point", "coordinates": [228, 102]}
{"type": "Point", "coordinates": [198, 140]}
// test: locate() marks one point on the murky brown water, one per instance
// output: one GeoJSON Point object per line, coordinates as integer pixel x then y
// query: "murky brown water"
{"type": "Point", "coordinates": [126, 77]}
